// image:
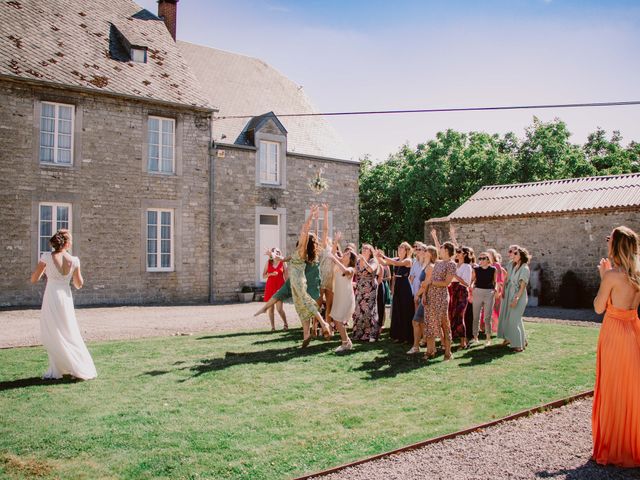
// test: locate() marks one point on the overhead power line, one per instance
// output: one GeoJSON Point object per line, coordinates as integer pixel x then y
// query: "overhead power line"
{"type": "Point", "coordinates": [439, 110]}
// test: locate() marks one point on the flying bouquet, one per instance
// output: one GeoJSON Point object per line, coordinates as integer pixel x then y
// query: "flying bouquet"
{"type": "Point", "coordinates": [318, 184]}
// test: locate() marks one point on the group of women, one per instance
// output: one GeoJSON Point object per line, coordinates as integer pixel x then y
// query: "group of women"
{"type": "Point", "coordinates": [438, 291]}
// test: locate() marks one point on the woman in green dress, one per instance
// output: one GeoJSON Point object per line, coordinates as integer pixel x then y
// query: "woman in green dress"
{"type": "Point", "coordinates": [515, 301]}
{"type": "Point", "coordinates": [306, 306]}
{"type": "Point", "coordinates": [508, 270]}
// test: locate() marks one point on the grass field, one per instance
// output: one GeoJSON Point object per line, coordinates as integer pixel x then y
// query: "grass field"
{"type": "Point", "coordinates": [253, 405]}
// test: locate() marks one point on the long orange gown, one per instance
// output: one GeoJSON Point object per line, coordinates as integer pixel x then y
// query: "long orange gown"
{"type": "Point", "coordinates": [616, 403]}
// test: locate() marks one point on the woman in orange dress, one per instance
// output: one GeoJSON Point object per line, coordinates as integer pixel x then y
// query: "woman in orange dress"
{"type": "Point", "coordinates": [616, 402]}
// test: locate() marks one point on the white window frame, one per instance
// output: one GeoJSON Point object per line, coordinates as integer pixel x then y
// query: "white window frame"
{"type": "Point", "coordinates": [160, 138]}
{"type": "Point", "coordinates": [56, 120]}
{"type": "Point", "coordinates": [54, 221]}
{"type": "Point", "coordinates": [263, 149]}
{"type": "Point", "coordinates": [158, 252]}
{"type": "Point", "coordinates": [320, 220]}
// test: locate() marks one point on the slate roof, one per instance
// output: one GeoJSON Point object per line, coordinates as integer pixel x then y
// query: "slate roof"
{"type": "Point", "coordinates": [75, 43]}
{"type": "Point", "coordinates": [241, 85]}
{"type": "Point", "coordinates": [557, 196]}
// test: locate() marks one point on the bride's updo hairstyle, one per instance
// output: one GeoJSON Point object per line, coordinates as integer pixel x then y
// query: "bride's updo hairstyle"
{"type": "Point", "coordinates": [60, 239]}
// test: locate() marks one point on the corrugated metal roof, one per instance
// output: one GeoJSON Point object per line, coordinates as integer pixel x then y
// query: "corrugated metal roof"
{"type": "Point", "coordinates": [241, 85]}
{"type": "Point", "coordinates": [72, 43]}
{"type": "Point", "coordinates": [554, 196]}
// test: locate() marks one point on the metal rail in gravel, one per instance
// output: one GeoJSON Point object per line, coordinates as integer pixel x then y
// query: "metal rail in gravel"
{"type": "Point", "coordinates": [523, 413]}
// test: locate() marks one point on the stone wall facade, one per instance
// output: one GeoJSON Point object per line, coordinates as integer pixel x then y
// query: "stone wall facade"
{"type": "Point", "coordinates": [237, 201]}
{"type": "Point", "coordinates": [558, 243]}
{"type": "Point", "coordinates": [109, 189]}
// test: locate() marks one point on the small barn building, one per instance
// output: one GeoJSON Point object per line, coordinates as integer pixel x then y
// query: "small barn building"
{"type": "Point", "coordinates": [563, 224]}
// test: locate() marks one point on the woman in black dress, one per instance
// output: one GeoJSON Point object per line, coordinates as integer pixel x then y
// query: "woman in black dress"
{"type": "Point", "coordinates": [402, 307]}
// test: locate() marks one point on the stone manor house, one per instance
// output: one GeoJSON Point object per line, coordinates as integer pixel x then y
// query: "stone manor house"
{"type": "Point", "coordinates": [112, 129]}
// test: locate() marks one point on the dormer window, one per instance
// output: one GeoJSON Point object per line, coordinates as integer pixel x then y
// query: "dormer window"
{"type": "Point", "coordinates": [269, 137]}
{"type": "Point", "coordinates": [138, 54]}
{"type": "Point", "coordinates": [131, 43]}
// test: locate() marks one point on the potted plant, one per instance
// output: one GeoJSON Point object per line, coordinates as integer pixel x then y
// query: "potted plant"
{"type": "Point", "coordinates": [246, 294]}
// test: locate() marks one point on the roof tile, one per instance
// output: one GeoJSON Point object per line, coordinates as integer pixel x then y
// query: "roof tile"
{"type": "Point", "coordinates": [241, 85]}
{"type": "Point", "coordinates": [554, 196]}
{"type": "Point", "coordinates": [70, 42]}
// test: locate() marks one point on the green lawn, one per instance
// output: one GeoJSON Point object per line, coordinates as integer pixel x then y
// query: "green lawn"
{"type": "Point", "coordinates": [253, 405]}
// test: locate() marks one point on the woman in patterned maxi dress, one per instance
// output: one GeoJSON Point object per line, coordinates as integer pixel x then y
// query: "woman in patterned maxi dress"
{"type": "Point", "coordinates": [437, 302]}
{"type": "Point", "coordinates": [366, 327]}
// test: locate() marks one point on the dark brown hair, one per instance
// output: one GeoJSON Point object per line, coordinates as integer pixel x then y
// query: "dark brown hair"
{"type": "Point", "coordinates": [60, 239]}
{"type": "Point", "coordinates": [312, 248]}
{"type": "Point", "coordinates": [525, 256]}
{"type": "Point", "coordinates": [449, 247]}
{"type": "Point", "coordinates": [468, 255]}
{"type": "Point", "coordinates": [352, 258]}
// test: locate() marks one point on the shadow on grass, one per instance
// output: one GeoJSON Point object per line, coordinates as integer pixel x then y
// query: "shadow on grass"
{"type": "Point", "coordinates": [391, 361]}
{"type": "Point", "coordinates": [35, 382]}
{"type": "Point", "coordinates": [237, 334]}
{"type": "Point", "coordinates": [478, 356]}
{"type": "Point", "coordinates": [593, 471]}
{"type": "Point", "coordinates": [282, 336]}
{"type": "Point", "coordinates": [264, 356]}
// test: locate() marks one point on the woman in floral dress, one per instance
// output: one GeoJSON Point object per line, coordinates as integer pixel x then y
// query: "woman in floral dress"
{"type": "Point", "coordinates": [366, 327]}
{"type": "Point", "coordinates": [437, 302]}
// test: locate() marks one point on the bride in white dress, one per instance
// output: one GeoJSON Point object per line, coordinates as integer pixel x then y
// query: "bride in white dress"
{"type": "Point", "coordinates": [68, 355]}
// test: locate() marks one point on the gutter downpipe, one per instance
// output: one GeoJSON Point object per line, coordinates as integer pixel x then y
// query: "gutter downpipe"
{"type": "Point", "coordinates": [210, 152]}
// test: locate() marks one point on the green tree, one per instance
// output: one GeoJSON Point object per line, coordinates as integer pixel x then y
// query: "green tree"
{"type": "Point", "coordinates": [609, 157]}
{"type": "Point", "coordinates": [435, 178]}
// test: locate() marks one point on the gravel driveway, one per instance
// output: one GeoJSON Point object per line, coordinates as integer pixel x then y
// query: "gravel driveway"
{"type": "Point", "coordinates": [555, 444]}
{"type": "Point", "coordinates": [19, 328]}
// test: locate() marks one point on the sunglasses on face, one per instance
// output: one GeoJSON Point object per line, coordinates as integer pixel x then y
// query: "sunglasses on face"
{"type": "Point", "coordinates": [483, 258]}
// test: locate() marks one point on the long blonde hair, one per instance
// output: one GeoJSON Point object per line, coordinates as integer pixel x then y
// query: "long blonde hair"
{"type": "Point", "coordinates": [624, 252]}
{"type": "Point", "coordinates": [433, 253]}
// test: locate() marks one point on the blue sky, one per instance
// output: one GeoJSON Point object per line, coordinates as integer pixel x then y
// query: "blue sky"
{"type": "Point", "coordinates": [357, 55]}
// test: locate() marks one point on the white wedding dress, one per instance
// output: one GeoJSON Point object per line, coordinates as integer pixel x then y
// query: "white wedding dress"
{"type": "Point", "coordinates": [59, 328]}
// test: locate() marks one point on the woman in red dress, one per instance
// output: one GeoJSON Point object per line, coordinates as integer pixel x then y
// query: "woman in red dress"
{"type": "Point", "coordinates": [275, 272]}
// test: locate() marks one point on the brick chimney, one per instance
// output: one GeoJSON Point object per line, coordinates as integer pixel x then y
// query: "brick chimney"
{"type": "Point", "coordinates": [168, 11]}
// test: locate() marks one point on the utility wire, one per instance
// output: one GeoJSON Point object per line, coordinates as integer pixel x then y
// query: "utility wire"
{"type": "Point", "coordinates": [437, 110]}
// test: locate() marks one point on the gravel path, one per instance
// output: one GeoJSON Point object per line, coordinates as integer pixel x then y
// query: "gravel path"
{"type": "Point", "coordinates": [555, 444]}
{"type": "Point", "coordinates": [19, 328]}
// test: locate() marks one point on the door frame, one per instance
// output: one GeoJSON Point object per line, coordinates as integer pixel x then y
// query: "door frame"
{"type": "Point", "coordinates": [282, 212]}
